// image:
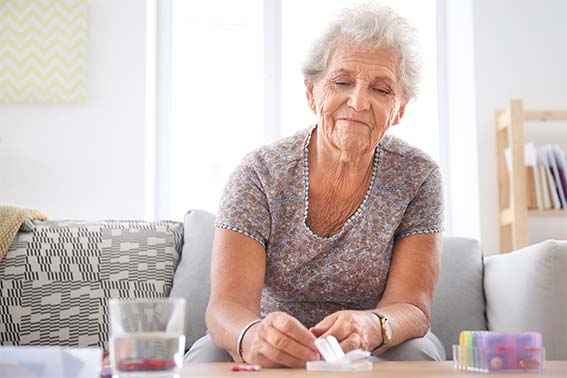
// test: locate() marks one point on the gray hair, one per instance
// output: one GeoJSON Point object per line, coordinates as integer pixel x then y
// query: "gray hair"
{"type": "Point", "coordinates": [371, 26]}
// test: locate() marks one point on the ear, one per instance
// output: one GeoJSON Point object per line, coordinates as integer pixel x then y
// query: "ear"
{"type": "Point", "coordinates": [309, 94]}
{"type": "Point", "coordinates": [400, 114]}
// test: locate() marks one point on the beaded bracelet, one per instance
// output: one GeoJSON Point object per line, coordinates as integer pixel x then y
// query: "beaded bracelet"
{"type": "Point", "coordinates": [241, 336]}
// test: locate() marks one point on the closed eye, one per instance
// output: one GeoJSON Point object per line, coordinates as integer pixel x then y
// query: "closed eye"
{"type": "Point", "coordinates": [382, 90]}
{"type": "Point", "coordinates": [341, 83]}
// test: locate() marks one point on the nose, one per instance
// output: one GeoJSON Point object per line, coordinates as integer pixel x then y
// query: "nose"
{"type": "Point", "coordinates": [358, 99]}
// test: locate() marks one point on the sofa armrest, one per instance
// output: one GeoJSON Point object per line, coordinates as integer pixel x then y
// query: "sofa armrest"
{"type": "Point", "coordinates": [459, 302]}
{"type": "Point", "coordinates": [192, 280]}
{"type": "Point", "coordinates": [526, 291]}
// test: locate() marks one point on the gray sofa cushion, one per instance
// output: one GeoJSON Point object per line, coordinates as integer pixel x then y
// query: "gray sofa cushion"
{"type": "Point", "coordinates": [459, 296]}
{"type": "Point", "coordinates": [526, 290]}
{"type": "Point", "coordinates": [192, 278]}
{"type": "Point", "coordinates": [56, 279]}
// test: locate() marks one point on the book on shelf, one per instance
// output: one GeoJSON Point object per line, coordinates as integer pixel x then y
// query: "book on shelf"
{"type": "Point", "coordinates": [545, 188]}
{"type": "Point", "coordinates": [546, 176]}
{"type": "Point", "coordinates": [533, 183]}
{"type": "Point", "coordinates": [532, 187]}
{"type": "Point", "coordinates": [542, 152]}
{"type": "Point", "coordinates": [561, 160]}
{"type": "Point", "coordinates": [553, 166]}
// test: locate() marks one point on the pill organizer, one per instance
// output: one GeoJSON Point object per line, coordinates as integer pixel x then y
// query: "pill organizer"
{"type": "Point", "coordinates": [335, 359]}
{"type": "Point", "coordinates": [485, 351]}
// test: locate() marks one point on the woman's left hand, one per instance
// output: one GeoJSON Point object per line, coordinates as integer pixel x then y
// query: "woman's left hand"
{"type": "Point", "coordinates": [353, 329]}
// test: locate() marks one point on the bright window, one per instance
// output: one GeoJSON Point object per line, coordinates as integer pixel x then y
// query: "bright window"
{"type": "Point", "coordinates": [236, 84]}
{"type": "Point", "coordinates": [217, 97]}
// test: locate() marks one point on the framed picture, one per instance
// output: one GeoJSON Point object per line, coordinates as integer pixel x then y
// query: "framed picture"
{"type": "Point", "coordinates": [43, 51]}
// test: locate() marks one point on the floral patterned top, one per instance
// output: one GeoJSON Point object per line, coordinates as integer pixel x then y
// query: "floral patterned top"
{"type": "Point", "coordinates": [309, 276]}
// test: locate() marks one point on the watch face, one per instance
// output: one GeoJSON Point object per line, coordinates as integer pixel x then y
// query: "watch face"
{"type": "Point", "coordinates": [388, 330]}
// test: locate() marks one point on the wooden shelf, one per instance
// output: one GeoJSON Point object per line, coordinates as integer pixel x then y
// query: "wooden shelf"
{"type": "Point", "coordinates": [507, 216]}
{"type": "Point", "coordinates": [548, 213]}
{"type": "Point", "coordinates": [512, 191]}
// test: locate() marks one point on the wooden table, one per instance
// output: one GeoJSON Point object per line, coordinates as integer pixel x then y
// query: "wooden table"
{"type": "Point", "coordinates": [555, 369]}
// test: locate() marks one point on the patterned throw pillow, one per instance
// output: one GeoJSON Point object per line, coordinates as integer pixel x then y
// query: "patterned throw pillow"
{"type": "Point", "coordinates": [56, 279]}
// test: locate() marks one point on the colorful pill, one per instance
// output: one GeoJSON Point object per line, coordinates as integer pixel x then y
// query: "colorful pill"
{"type": "Point", "coordinates": [496, 363]}
{"type": "Point", "coordinates": [528, 364]}
{"type": "Point", "coordinates": [245, 367]}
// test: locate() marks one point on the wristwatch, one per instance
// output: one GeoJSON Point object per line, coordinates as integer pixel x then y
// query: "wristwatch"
{"type": "Point", "coordinates": [386, 330]}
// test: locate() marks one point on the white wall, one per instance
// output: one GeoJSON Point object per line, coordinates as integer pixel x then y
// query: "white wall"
{"type": "Point", "coordinates": [520, 52]}
{"type": "Point", "coordinates": [85, 161]}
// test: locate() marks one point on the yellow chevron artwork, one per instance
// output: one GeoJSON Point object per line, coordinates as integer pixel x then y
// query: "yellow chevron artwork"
{"type": "Point", "coordinates": [43, 48]}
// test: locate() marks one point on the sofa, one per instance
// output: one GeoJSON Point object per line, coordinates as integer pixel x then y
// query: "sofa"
{"type": "Point", "coordinates": [57, 277]}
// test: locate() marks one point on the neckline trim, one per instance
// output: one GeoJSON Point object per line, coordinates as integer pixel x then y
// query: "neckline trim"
{"type": "Point", "coordinates": [358, 211]}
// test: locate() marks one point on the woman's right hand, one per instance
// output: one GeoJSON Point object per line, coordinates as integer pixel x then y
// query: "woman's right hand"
{"type": "Point", "coordinates": [279, 340]}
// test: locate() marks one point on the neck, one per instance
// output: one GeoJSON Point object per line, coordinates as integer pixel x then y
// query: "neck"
{"type": "Point", "coordinates": [342, 172]}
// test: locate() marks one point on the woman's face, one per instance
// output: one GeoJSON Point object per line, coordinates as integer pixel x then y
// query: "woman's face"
{"type": "Point", "coordinates": [357, 98]}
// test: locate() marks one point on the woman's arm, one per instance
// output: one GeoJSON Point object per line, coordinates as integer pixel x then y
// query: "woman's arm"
{"type": "Point", "coordinates": [406, 301]}
{"type": "Point", "coordinates": [238, 266]}
{"type": "Point", "coordinates": [237, 275]}
{"type": "Point", "coordinates": [408, 296]}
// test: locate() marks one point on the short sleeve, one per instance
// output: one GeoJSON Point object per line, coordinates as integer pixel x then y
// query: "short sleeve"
{"type": "Point", "coordinates": [244, 206]}
{"type": "Point", "coordinates": [424, 214]}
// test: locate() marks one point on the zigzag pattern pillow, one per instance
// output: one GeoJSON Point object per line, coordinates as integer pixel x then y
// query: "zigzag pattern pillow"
{"type": "Point", "coordinates": [56, 279]}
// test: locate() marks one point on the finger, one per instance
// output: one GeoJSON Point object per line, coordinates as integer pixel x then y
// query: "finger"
{"type": "Point", "coordinates": [341, 329]}
{"type": "Point", "coordinates": [352, 342]}
{"type": "Point", "coordinates": [290, 326]}
{"type": "Point", "coordinates": [279, 357]}
{"type": "Point", "coordinates": [321, 327]}
{"type": "Point", "coordinates": [317, 332]}
{"type": "Point", "coordinates": [288, 345]}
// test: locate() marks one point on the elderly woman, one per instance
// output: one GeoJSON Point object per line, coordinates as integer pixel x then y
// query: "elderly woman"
{"type": "Point", "coordinates": [335, 230]}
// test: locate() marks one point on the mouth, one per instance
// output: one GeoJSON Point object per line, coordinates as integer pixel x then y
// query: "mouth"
{"type": "Point", "coordinates": [352, 121]}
